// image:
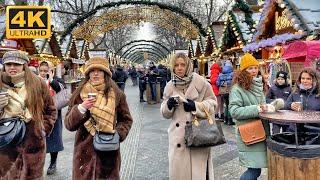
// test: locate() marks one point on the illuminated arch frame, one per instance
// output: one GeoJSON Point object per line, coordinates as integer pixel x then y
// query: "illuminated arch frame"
{"type": "Point", "coordinates": [174, 9]}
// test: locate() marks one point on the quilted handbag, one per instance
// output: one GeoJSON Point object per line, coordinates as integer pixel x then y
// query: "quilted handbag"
{"type": "Point", "coordinates": [12, 132]}
{"type": "Point", "coordinates": [204, 133]}
{"type": "Point", "coordinates": [252, 132]}
{"type": "Point", "coordinates": [106, 141]}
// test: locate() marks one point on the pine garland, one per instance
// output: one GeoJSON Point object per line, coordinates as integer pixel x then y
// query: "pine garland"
{"type": "Point", "coordinates": [228, 35]}
{"type": "Point", "coordinates": [243, 6]}
{"type": "Point", "coordinates": [175, 9]}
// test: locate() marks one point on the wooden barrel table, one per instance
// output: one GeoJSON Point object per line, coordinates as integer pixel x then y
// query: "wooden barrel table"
{"type": "Point", "coordinates": [294, 160]}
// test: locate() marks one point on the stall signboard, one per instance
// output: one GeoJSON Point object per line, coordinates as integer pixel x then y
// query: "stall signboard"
{"type": "Point", "coordinates": [282, 23]}
{"type": "Point", "coordinates": [78, 61]}
{"type": "Point", "coordinates": [26, 22]}
{"type": "Point", "coordinates": [96, 53]}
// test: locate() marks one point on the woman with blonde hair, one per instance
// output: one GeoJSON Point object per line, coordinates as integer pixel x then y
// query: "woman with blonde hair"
{"type": "Point", "coordinates": [27, 98]}
{"type": "Point", "coordinates": [97, 106]}
{"type": "Point", "coordinates": [185, 97]}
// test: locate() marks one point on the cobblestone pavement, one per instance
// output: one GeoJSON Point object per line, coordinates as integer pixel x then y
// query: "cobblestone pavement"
{"type": "Point", "coordinates": [144, 152]}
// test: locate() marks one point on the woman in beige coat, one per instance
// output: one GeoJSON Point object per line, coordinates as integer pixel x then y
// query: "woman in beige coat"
{"type": "Point", "coordinates": [184, 97]}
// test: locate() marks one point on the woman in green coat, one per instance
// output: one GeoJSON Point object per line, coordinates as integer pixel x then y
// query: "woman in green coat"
{"type": "Point", "coordinates": [246, 101]}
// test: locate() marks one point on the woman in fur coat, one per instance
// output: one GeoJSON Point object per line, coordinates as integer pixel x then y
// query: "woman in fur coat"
{"type": "Point", "coordinates": [28, 98]}
{"type": "Point", "coordinates": [108, 111]}
{"type": "Point", "coordinates": [185, 96]}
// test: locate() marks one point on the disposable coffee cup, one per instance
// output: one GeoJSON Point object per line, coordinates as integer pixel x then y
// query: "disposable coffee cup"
{"type": "Point", "coordinates": [300, 107]}
{"type": "Point", "coordinates": [92, 95]}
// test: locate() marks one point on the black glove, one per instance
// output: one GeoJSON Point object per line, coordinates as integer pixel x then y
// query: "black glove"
{"type": "Point", "coordinates": [189, 106]}
{"type": "Point", "coordinates": [171, 103]}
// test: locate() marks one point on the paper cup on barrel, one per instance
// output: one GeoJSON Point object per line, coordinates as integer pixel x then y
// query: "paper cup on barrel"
{"type": "Point", "coordinates": [299, 106]}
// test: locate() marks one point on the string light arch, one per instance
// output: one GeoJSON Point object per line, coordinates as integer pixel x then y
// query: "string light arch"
{"type": "Point", "coordinates": [142, 41]}
{"type": "Point", "coordinates": [141, 46]}
{"type": "Point", "coordinates": [145, 51]}
{"type": "Point", "coordinates": [89, 26]}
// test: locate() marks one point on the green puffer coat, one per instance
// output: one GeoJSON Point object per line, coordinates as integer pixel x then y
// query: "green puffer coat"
{"type": "Point", "coordinates": [243, 109]}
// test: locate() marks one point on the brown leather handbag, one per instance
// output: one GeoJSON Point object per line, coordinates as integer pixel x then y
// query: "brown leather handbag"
{"type": "Point", "coordinates": [252, 132]}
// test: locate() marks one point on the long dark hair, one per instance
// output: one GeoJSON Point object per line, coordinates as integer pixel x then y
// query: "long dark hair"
{"type": "Point", "coordinates": [107, 80]}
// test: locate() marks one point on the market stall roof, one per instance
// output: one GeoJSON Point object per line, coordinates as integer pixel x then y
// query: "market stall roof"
{"type": "Point", "coordinates": [69, 47]}
{"type": "Point", "coordinates": [199, 48]}
{"type": "Point", "coordinates": [49, 46]}
{"type": "Point", "coordinates": [305, 51]}
{"type": "Point", "coordinates": [303, 15]}
{"type": "Point", "coordinates": [211, 45]}
{"type": "Point", "coordinates": [82, 48]}
{"type": "Point", "coordinates": [239, 25]}
{"type": "Point", "coordinates": [65, 44]}
{"type": "Point", "coordinates": [308, 11]}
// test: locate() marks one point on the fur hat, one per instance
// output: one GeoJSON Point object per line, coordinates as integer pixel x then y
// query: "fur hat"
{"type": "Point", "coordinates": [282, 74]}
{"type": "Point", "coordinates": [97, 63]}
{"type": "Point", "coordinates": [18, 57]}
{"type": "Point", "coordinates": [248, 60]}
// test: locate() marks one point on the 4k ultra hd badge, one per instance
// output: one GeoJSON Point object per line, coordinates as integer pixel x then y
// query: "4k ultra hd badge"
{"type": "Point", "coordinates": [28, 22]}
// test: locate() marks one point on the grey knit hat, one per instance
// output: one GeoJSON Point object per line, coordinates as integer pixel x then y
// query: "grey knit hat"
{"type": "Point", "coordinates": [18, 57]}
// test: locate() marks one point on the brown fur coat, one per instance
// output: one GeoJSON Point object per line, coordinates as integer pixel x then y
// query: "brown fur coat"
{"type": "Point", "coordinates": [26, 161]}
{"type": "Point", "coordinates": [87, 163]}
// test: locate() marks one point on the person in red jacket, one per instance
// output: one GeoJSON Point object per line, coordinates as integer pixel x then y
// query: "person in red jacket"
{"type": "Point", "coordinates": [215, 71]}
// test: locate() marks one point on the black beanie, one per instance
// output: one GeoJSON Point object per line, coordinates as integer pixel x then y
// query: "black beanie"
{"type": "Point", "coordinates": [282, 74]}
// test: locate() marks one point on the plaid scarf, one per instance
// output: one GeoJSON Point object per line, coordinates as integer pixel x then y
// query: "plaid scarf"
{"type": "Point", "coordinates": [103, 110]}
{"type": "Point", "coordinates": [183, 82]}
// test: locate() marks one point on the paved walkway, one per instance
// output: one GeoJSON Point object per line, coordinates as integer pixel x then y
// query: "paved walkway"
{"type": "Point", "coordinates": [144, 153]}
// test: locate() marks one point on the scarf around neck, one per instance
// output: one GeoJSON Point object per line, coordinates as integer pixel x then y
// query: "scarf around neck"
{"type": "Point", "coordinates": [17, 92]}
{"type": "Point", "coordinates": [103, 110]}
{"type": "Point", "coordinates": [16, 81]}
{"type": "Point", "coordinates": [257, 86]}
{"type": "Point", "coordinates": [183, 82]}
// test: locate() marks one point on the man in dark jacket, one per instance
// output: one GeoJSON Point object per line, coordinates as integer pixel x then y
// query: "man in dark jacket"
{"type": "Point", "coordinates": [152, 75]}
{"type": "Point", "coordinates": [133, 74]}
{"type": "Point", "coordinates": [120, 77]}
{"type": "Point", "coordinates": [162, 77]}
{"type": "Point", "coordinates": [142, 83]}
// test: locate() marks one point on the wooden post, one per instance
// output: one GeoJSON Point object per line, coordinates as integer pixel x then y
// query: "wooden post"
{"type": "Point", "coordinates": [148, 93]}
{"type": "Point", "coordinates": [158, 92]}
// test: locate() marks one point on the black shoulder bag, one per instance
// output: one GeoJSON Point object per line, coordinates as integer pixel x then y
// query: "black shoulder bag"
{"type": "Point", "coordinates": [106, 142]}
{"type": "Point", "coordinates": [12, 132]}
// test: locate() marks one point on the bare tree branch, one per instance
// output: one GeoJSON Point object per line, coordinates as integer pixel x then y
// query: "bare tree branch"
{"type": "Point", "coordinates": [66, 12]}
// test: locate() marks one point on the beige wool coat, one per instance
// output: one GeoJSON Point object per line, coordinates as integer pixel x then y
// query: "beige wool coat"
{"type": "Point", "coordinates": [186, 163]}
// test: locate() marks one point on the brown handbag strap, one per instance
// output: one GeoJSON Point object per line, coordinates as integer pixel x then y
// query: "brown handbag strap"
{"type": "Point", "coordinates": [211, 121]}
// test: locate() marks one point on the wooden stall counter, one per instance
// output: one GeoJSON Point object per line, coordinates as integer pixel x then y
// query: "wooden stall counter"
{"type": "Point", "coordinates": [294, 155]}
